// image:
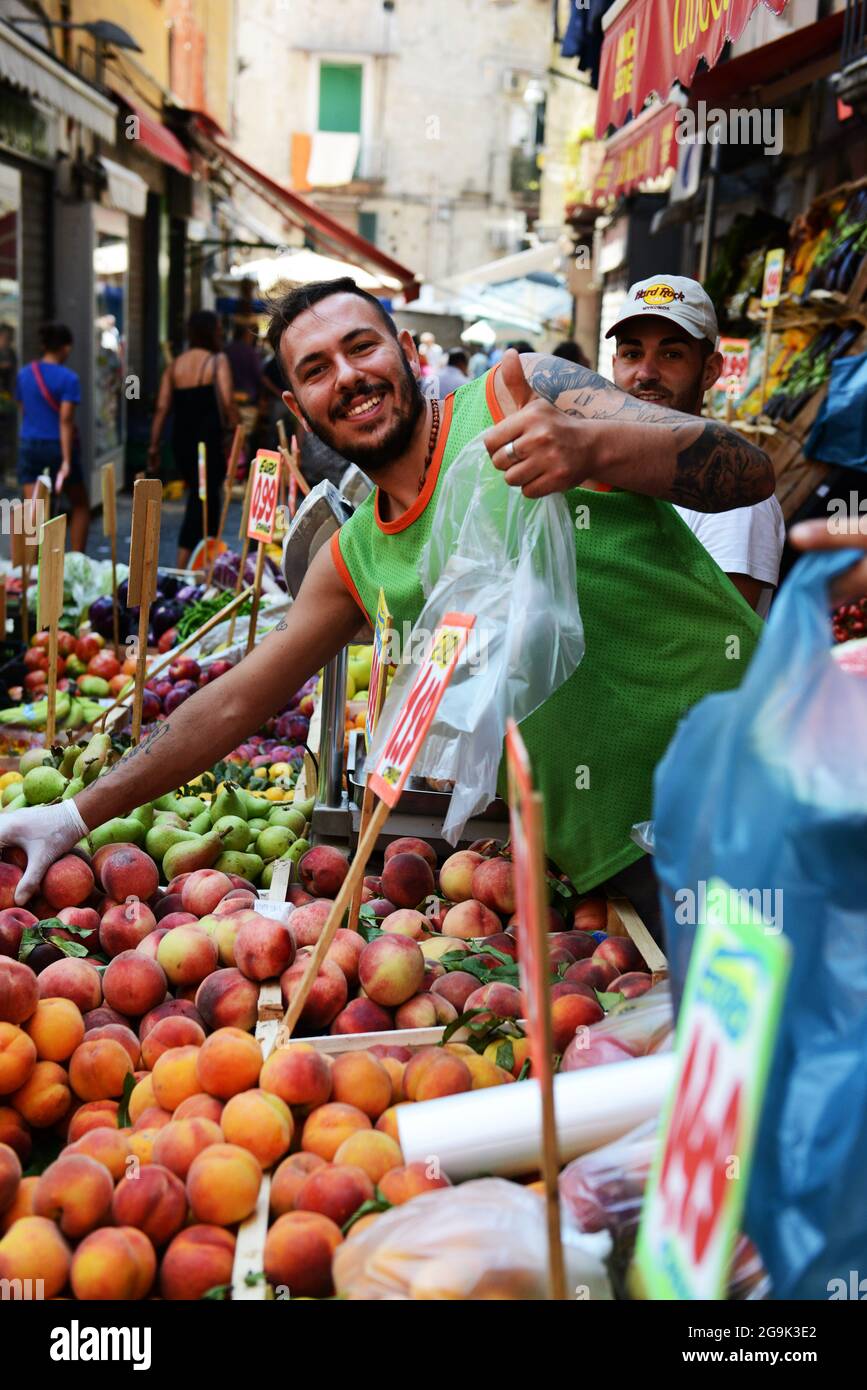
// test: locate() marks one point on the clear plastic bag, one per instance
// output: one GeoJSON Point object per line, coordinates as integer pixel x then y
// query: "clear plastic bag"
{"type": "Point", "coordinates": [483, 1240]}
{"type": "Point", "coordinates": [636, 1028]}
{"type": "Point", "coordinates": [510, 561]}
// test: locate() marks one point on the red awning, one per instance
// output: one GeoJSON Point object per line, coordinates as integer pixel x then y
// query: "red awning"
{"type": "Point", "coordinates": [644, 149]}
{"type": "Point", "coordinates": [153, 136]}
{"type": "Point", "coordinates": [773, 62]}
{"type": "Point", "coordinates": [653, 43]}
{"type": "Point", "coordinates": [325, 230]}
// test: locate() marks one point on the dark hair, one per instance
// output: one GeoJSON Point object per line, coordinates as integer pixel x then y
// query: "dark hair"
{"type": "Point", "coordinates": [570, 352]}
{"type": "Point", "coordinates": [202, 328]}
{"type": "Point", "coordinates": [54, 336]}
{"type": "Point", "coordinates": [522, 346]}
{"type": "Point", "coordinates": [285, 310]}
{"type": "Point", "coordinates": [458, 358]}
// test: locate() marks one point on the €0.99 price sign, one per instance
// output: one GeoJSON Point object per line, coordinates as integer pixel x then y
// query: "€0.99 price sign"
{"type": "Point", "coordinates": [264, 493]}
{"type": "Point", "coordinates": [772, 281]}
{"type": "Point", "coordinates": [415, 715]}
{"type": "Point", "coordinates": [728, 1023]}
{"type": "Point", "coordinates": [378, 667]}
{"type": "Point", "coordinates": [736, 365]}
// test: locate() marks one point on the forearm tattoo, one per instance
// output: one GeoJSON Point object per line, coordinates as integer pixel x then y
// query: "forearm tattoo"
{"type": "Point", "coordinates": [714, 471]}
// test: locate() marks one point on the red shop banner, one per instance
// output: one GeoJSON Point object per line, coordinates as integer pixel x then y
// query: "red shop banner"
{"type": "Point", "coordinates": [644, 150]}
{"type": "Point", "coordinates": [653, 43]}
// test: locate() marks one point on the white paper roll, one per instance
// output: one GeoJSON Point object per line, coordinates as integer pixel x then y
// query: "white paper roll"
{"type": "Point", "coordinates": [499, 1129]}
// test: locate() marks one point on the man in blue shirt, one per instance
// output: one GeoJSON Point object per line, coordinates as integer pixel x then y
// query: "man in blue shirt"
{"type": "Point", "coordinates": [47, 393]}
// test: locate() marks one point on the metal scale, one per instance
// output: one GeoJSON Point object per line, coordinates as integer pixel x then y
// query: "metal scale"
{"type": "Point", "coordinates": [336, 815]}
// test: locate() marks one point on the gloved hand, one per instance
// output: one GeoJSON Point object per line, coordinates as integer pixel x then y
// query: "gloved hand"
{"type": "Point", "coordinates": [44, 833]}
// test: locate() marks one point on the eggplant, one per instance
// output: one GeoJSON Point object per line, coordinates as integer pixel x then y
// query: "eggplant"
{"type": "Point", "coordinates": [101, 615]}
{"type": "Point", "coordinates": [165, 614]}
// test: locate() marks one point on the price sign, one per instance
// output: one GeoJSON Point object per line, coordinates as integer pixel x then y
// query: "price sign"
{"type": "Point", "coordinates": [728, 1023]}
{"type": "Point", "coordinates": [415, 716]}
{"type": "Point", "coordinates": [264, 494]}
{"type": "Point", "coordinates": [736, 366]}
{"type": "Point", "coordinates": [203, 473]}
{"type": "Point", "coordinates": [378, 668]}
{"type": "Point", "coordinates": [772, 281]}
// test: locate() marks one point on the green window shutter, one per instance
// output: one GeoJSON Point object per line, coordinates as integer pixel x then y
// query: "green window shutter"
{"type": "Point", "coordinates": [340, 97]}
{"type": "Point", "coordinates": [367, 226]}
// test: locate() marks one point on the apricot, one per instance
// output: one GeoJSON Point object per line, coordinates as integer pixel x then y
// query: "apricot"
{"type": "Point", "coordinates": [169, 1033]}
{"type": "Point", "coordinates": [179, 1143]}
{"type": "Point", "coordinates": [115, 1263]}
{"type": "Point", "coordinates": [400, 1184]}
{"type": "Point", "coordinates": [21, 1204]}
{"type": "Point", "coordinates": [119, 1033]}
{"type": "Point", "coordinates": [361, 1080]}
{"type": "Point", "coordinates": [299, 1075]}
{"type": "Point", "coordinates": [56, 1027]}
{"type": "Point", "coordinates": [326, 1128]}
{"type": "Point", "coordinates": [19, 990]}
{"type": "Point", "coordinates": [201, 1105]}
{"type": "Point", "coordinates": [75, 1191]}
{"type": "Point", "coordinates": [298, 1251]}
{"type": "Point", "coordinates": [142, 1098]}
{"type": "Point", "coordinates": [227, 1000]}
{"type": "Point", "coordinates": [433, 1073]}
{"type": "Point", "coordinates": [45, 1096]}
{"type": "Point", "coordinates": [72, 978]}
{"type": "Point", "coordinates": [223, 1183]}
{"type": "Point", "coordinates": [175, 1076]}
{"type": "Point", "coordinates": [374, 1153]}
{"type": "Point", "coordinates": [95, 1114]}
{"type": "Point", "coordinates": [395, 1071]}
{"type": "Point", "coordinates": [520, 1053]}
{"type": "Point", "coordinates": [261, 1122]}
{"type": "Point", "coordinates": [288, 1179]}
{"type": "Point", "coordinates": [17, 1058]}
{"type": "Point", "coordinates": [98, 1070]}
{"type": "Point", "coordinates": [336, 1191]}
{"type": "Point", "coordinates": [198, 1259]}
{"type": "Point", "coordinates": [107, 1145]}
{"type": "Point", "coordinates": [229, 1061]}
{"type": "Point", "coordinates": [328, 994]}
{"type": "Point", "coordinates": [15, 1133]}
{"type": "Point", "coordinates": [154, 1201]}
{"type": "Point", "coordinates": [34, 1249]}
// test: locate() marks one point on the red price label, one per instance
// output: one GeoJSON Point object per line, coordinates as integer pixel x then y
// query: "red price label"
{"type": "Point", "coordinates": [264, 493]}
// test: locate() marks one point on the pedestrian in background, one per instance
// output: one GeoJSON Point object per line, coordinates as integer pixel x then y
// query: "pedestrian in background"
{"type": "Point", "coordinates": [197, 389]}
{"type": "Point", "coordinates": [455, 373]}
{"type": "Point", "coordinates": [246, 364]}
{"type": "Point", "coordinates": [571, 352]}
{"type": "Point", "coordinates": [47, 392]}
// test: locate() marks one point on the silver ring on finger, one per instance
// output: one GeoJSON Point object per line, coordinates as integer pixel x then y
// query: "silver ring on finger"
{"type": "Point", "coordinates": [510, 452]}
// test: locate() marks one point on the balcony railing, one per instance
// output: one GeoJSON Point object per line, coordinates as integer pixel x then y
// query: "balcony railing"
{"type": "Point", "coordinates": [850, 83]}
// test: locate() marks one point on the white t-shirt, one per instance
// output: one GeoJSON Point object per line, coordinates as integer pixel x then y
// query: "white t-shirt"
{"type": "Point", "coordinates": [746, 540]}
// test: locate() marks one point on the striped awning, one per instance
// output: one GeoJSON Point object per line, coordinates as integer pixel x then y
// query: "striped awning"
{"type": "Point", "coordinates": [25, 65]}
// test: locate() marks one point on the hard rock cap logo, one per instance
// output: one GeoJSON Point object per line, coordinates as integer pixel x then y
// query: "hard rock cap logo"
{"type": "Point", "coordinates": [660, 295]}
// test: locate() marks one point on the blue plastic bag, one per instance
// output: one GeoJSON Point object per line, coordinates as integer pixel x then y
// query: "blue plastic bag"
{"type": "Point", "coordinates": [766, 786]}
{"type": "Point", "coordinates": [839, 434]}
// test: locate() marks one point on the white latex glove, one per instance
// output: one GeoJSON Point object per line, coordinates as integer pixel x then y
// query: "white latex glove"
{"type": "Point", "coordinates": [44, 833]}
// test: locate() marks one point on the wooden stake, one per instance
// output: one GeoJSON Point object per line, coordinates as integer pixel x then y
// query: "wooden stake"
{"type": "Point", "coordinates": [257, 592]}
{"type": "Point", "coordinates": [245, 547]}
{"type": "Point", "coordinates": [766, 364]}
{"type": "Point", "coordinates": [50, 607]}
{"type": "Point", "coordinates": [203, 497]}
{"type": "Point", "coordinates": [109, 529]}
{"type": "Point", "coordinates": [18, 557]}
{"type": "Point", "coordinates": [639, 935]}
{"type": "Point", "coordinates": [291, 463]}
{"type": "Point", "coordinates": [142, 586]}
{"type": "Point", "coordinates": [231, 469]}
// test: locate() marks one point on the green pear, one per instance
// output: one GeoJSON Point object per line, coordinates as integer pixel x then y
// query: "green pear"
{"type": "Point", "coordinates": [201, 823]}
{"type": "Point", "coordinates": [120, 831]}
{"type": "Point", "coordinates": [13, 791]}
{"type": "Point", "coordinates": [256, 806]}
{"type": "Point", "coordinates": [42, 784]}
{"type": "Point", "coordinates": [34, 757]}
{"type": "Point", "coordinates": [70, 757]}
{"type": "Point", "coordinates": [160, 839]}
{"type": "Point", "coordinates": [201, 852]}
{"type": "Point", "coordinates": [290, 816]}
{"type": "Point", "coordinates": [17, 801]}
{"type": "Point", "coordinates": [73, 787]}
{"type": "Point", "coordinates": [305, 807]}
{"type": "Point", "coordinates": [189, 807]}
{"type": "Point", "coordinates": [145, 814]}
{"type": "Point", "coordinates": [233, 861]}
{"type": "Point", "coordinates": [235, 832]}
{"type": "Point", "coordinates": [256, 824]}
{"type": "Point", "coordinates": [295, 851]}
{"type": "Point", "coordinates": [166, 803]}
{"type": "Point", "coordinates": [229, 802]}
{"type": "Point", "coordinates": [274, 841]}
{"type": "Point", "coordinates": [170, 818]}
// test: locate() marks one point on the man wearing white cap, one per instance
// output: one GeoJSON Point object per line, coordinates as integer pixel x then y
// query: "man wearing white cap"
{"type": "Point", "coordinates": [666, 355]}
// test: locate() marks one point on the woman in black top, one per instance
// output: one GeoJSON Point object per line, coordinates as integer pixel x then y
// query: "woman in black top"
{"type": "Point", "coordinates": [197, 389]}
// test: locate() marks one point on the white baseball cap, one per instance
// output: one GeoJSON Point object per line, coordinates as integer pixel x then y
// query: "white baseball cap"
{"type": "Point", "coordinates": [672, 297]}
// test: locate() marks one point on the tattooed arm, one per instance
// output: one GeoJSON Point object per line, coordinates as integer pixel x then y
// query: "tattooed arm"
{"type": "Point", "coordinates": [598, 431]}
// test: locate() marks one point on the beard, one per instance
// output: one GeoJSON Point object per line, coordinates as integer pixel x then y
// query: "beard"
{"type": "Point", "coordinates": [408, 409]}
{"type": "Point", "coordinates": [688, 401]}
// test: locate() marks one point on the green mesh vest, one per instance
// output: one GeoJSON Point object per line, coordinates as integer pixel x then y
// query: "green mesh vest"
{"type": "Point", "coordinates": [663, 627]}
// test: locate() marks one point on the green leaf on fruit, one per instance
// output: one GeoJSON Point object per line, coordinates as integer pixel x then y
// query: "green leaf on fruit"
{"type": "Point", "coordinates": [558, 886]}
{"type": "Point", "coordinates": [30, 939]}
{"type": "Point", "coordinates": [254, 1277]}
{"type": "Point", "coordinates": [376, 1203]}
{"type": "Point", "coordinates": [525, 1070]}
{"type": "Point", "coordinates": [506, 1055]}
{"type": "Point", "coordinates": [480, 949]}
{"type": "Point", "coordinates": [453, 960]}
{"type": "Point", "coordinates": [608, 1000]}
{"type": "Point", "coordinates": [369, 930]}
{"type": "Point", "coordinates": [69, 948]}
{"type": "Point", "coordinates": [218, 1294]}
{"type": "Point", "coordinates": [462, 1021]}
{"type": "Point", "coordinates": [129, 1086]}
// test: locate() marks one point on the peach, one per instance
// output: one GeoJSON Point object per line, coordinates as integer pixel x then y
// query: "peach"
{"type": "Point", "coordinates": [407, 879]}
{"type": "Point", "coordinates": [374, 1152]}
{"type": "Point", "coordinates": [408, 844]}
{"type": "Point", "coordinates": [229, 1061]}
{"type": "Point", "coordinates": [98, 1070]}
{"type": "Point", "coordinates": [154, 1201]}
{"type": "Point", "coordinates": [236, 898]}
{"type": "Point", "coordinates": [187, 956]}
{"type": "Point", "coordinates": [107, 1145]}
{"type": "Point", "coordinates": [621, 952]}
{"type": "Point", "coordinates": [425, 1010]}
{"type": "Point", "coordinates": [336, 1191]}
{"type": "Point", "coordinates": [433, 1073]}
{"type": "Point", "coordinates": [469, 919]}
{"type": "Point", "coordinates": [172, 1008]}
{"type": "Point", "coordinates": [391, 968]}
{"type": "Point", "coordinates": [21, 1204]}
{"type": "Point", "coordinates": [178, 1143]}
{"type": "Point", "coordinates": [56, 1028]}
{"type": "Point", "coordinates": [171, 919]}
{"type": "Point", "coordinates": [307, 922]}
{"type": "Point", "coordinates": [598, 974]}
{"type": "Point", "coordinates": [261, 1122]}
{"type": "Point", "coordinates": [437, 947]}
{"type": "Point", "coordinates": [127, 872]}
{"type": "Point", "coordinates": [326, 1128]}
{"type": "Point", "coordinates": [10, 1175]}
{"type": "Point", "coordinates": [632, 984]}
{"type": "Point", "coordinates": [200, 1106]}
{"type": "Point", "coordinates": [226, 1000]}
{"type": "Point", "coordinates": [123, 926]}
{"type": "Point", "coordinates": [176, 885]}
{"type": "Point", "coordinates": [433, 971]}
{"type": "Point", "coordinates": [484, 1072]}
{"type": "Point", "coordinates": [591, 914]}
{"type": "Point", "coordinates": [223, 1184]}
{"type": "Point", "coordinates": [94, 1114]}
{"type": "Point", "coordinates": [406, 922]}
{"type": "Point", "coordinates": [141, 1144]}
{"type": "Point", "coordinates": [13, 923]}
{"type": "Point", "coordinates": [362, 1016]}
{"type": "Point", "coordinates": [503, 941]}
{"type": "Point", "coordinates": [498, 1000]}
{"type": "Point", "coordinates": [456, 987]}
{"type": "Point", "coordinates": [577, 944]}
{"type": "Point", "coordinates": [18, 1056]}
{"type": "Point", "coordinates": [456, 875]}
{"type": "Point", "coordinates": [360, 1080]}
{"type": "Point", "coordinates": [10, 876]}
{"type": "Point", "coordinates": [150, 944]}
{"type": "Point", "coordinates": [98, 1018]}
{"type": "Point", "coordinates": [117, 1263]}
{"type": "Point", "coordinates": [381, 907]}
{"type": "Point", "coordinates": [170, 1032]}
{"type": "Point", "coordinates": [87, 918]}
{"type": "Point", "coordinates": [288, 1179]}
{"type": "Point", "coordinates": [175, 1076]}
{"type": "Point", "coordinates": [223, 931]}
{"type": "Point", "coordinates": [387, 1122]}
{"type": "Point", "coordinates": [75, 1191]}
{"type": "Point", "coordinates": [198, 1259]}
{"type": "Point", "coordinates": [15, 1133]}
{"type": "Point", "coordinates": [411, 1180]}
{"type": "Point", "coordinates": [328, 993]}
{"type": "Point", "coordinates": [299, 1075]}
{"type": "Point", "coordinates": [345, 950]}
{"type": "Point", "coordinates": [263, 948]}
{"type": "Point", "coordinates": [75, 979]}
{"type": "Point", "coordinates": [321, 871]}
{"type": "Point", "coordinates": [494, 885]}
{"type": "Point", "coordinates": [203, 889]}
{"type": "Point", "coordinates": [33, 1249]}
{"type": "Point", "coordinates": [588, 1050]}
{"type": "Point", "coordinates": [153, 1117]}
{"type": "Point", "coordinates": [520, 1052]}
{"type": "Point", "coordinates": [141, 1099]}
{"type": "Point", "coordinates": [298, 1252]}
{"type": "Point", "coordinates": [569, 1012]}
{"type": "Point", "coordinates": [19, 990]}
{"type": "Point", "coordinates": [119, 1033]}
{"type": "Point", "coordinates": [45, 1096]}
{"type": "Point", "coordinates": [68, 882]}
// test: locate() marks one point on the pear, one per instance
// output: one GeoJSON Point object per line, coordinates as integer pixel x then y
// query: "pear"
{"type": "Point", "coordinates": [201, 852]}
{"type": "Point", "coordinates": [233, 861]}
{"type": "Point", "coordinates": [160, 838]}
{"type": "Point", "coordinates": [306, 806]}
{"type": "Point", "coordinates": [201, 823]}
{"type": "Point", "coordinates": [166, 803]}
{"type": "Point", "coordinates": [170, 818]}
{"type": "Point", "coordinates": [34, 757]}
{"type": "Point", "coordinates": [229, 802]}
{"type": "Point", "coordinates": [235, 832]}
{"type": "Point", "coordinates": [295, 851]}
{"type": "Point", "coordinates": [290, 816]}
{"type": "Point", "coordinates": [120, 831]}
{"type": "Point", "coordinates": [189, 807]}
{"type": "Point", "coordinates": [256, 824]}
{"type": "Point", "coordinates": [42, 784]}
{"type": "Point", "coordinates": [274, 841]}
{"type": "Point", "coordinates": [70, 757]}
{"type": "Point", "coordinates": [145, 814]}
{"type": "Point", "coordinates": [73, 787]}
{"type": "Point", "coordinates": [256, 805]}
{"type": "Point", "coordinates": [14, 790]}
{"type": "Point", "coordinates": [17, 801]}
